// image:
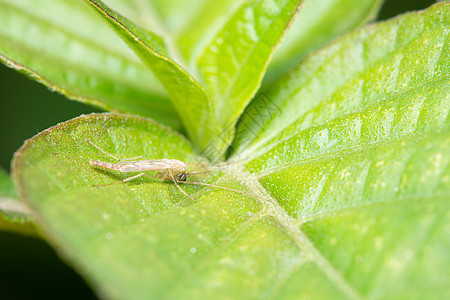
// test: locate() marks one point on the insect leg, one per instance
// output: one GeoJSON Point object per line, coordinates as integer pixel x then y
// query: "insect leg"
{"type": "Point", "coordinates": [110, 155]}
{"type": "Point", "coordinates": [103, 151]}
{"type": "Point", "coordinates": [176, 183]}
{"type": "Point", "coordinates": [124, 180]}
{"type": "Point", "coordinates": [132, 158]}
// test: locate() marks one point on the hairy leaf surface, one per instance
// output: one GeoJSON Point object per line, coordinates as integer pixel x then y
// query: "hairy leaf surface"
{"type": "Point", "coordinates": [385, 80]}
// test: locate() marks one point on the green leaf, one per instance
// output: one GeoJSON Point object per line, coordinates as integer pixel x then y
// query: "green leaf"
{"type": "Point", "coordinates": [192, 31]}
{"type": "Point", "coordinates": [188, 96]}
{"type": "Point", "coordinates": [378, 214]}
{"type": "Point", "coordinates": [143, 218]}
{"type": "Point", "coordinates": [351, 190]}
{"type": "Point", "coordinates": [233, 64]}
{"type": "Point", "coordinates": [380, 82]}
{"type": "Point", "coordinates": [81, 58]}
{"type": "Point", "coordinates": [369, 210]}
{"type": "Point", "coordinates": [208, 115]}
{"type": "Point", "coordinates": [231, 74]}
{"type": "Point", "coordinates": [14, 215]}
{"type": "Point", "coordinates": [7, 189]}
{"type": "Point", "coordinates": [181, 22]}
{"type": "Point", "coordinates": [318, 23]}
{"type": "Point", "coordinates": [180, 17]}
{"type": "Point", "coordinates": [11, 208]}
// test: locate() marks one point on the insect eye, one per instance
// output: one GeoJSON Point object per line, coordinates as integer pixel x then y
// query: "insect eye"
{"type": "Point", "coordinates": [183, 177]}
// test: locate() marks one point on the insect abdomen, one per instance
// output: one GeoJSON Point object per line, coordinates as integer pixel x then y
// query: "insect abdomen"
{"type": "Point", "coordinates": [105, 165]}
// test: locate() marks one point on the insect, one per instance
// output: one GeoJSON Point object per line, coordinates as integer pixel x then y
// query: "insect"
{"type": "Point", "coordinates": [165, 169]}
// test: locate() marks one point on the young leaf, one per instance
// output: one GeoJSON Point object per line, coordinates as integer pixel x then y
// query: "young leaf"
{"type": "Point", "coordinates": [188, 96]}
{"type": "Point", "coordinates": [394, 72]}
{"type": "Point", "coordinates": [318, 23]}
{"type": "Point", "coordinates": [233, 64]}
{"type": "Point", "coordinates": [65, 46]}
{"type": "Point", "coordinates": [182, 22]}
{"type": "Point", "coordinates": [179, 15]}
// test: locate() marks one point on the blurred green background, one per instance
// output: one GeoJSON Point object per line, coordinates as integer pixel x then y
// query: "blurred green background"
{"type": "Point", "coordinates": [30, 269]}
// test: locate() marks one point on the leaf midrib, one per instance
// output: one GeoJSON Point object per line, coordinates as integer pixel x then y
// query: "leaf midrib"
{"type": "Point", "coordinates": [292, 226]}
{"type": "Point", "coordinates": [273, 210]}
{"type": "Point", "coordinates": [299, 237]}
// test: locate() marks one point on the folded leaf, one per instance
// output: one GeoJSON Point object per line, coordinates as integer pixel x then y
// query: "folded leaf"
{"type": "Point", "coordinates": [188, 96]}
{"type": "Point", "coordinates": [233, 64]}
{"type": "Point", "coordinates": [66, 47]}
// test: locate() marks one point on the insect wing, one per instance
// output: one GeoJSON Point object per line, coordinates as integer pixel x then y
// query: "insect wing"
{"type": "Point", "coordinates": [143, 165]}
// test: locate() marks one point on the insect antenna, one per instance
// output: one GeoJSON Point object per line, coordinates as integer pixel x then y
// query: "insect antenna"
{"type": "Point", "coordinates": [100, 149]}
{"type": "Point", "coordinates": [110, 155]}
{"type": "Point", "coordinates": [221, 187]}
{"type": "Point", "coordinates": [196, 173]}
